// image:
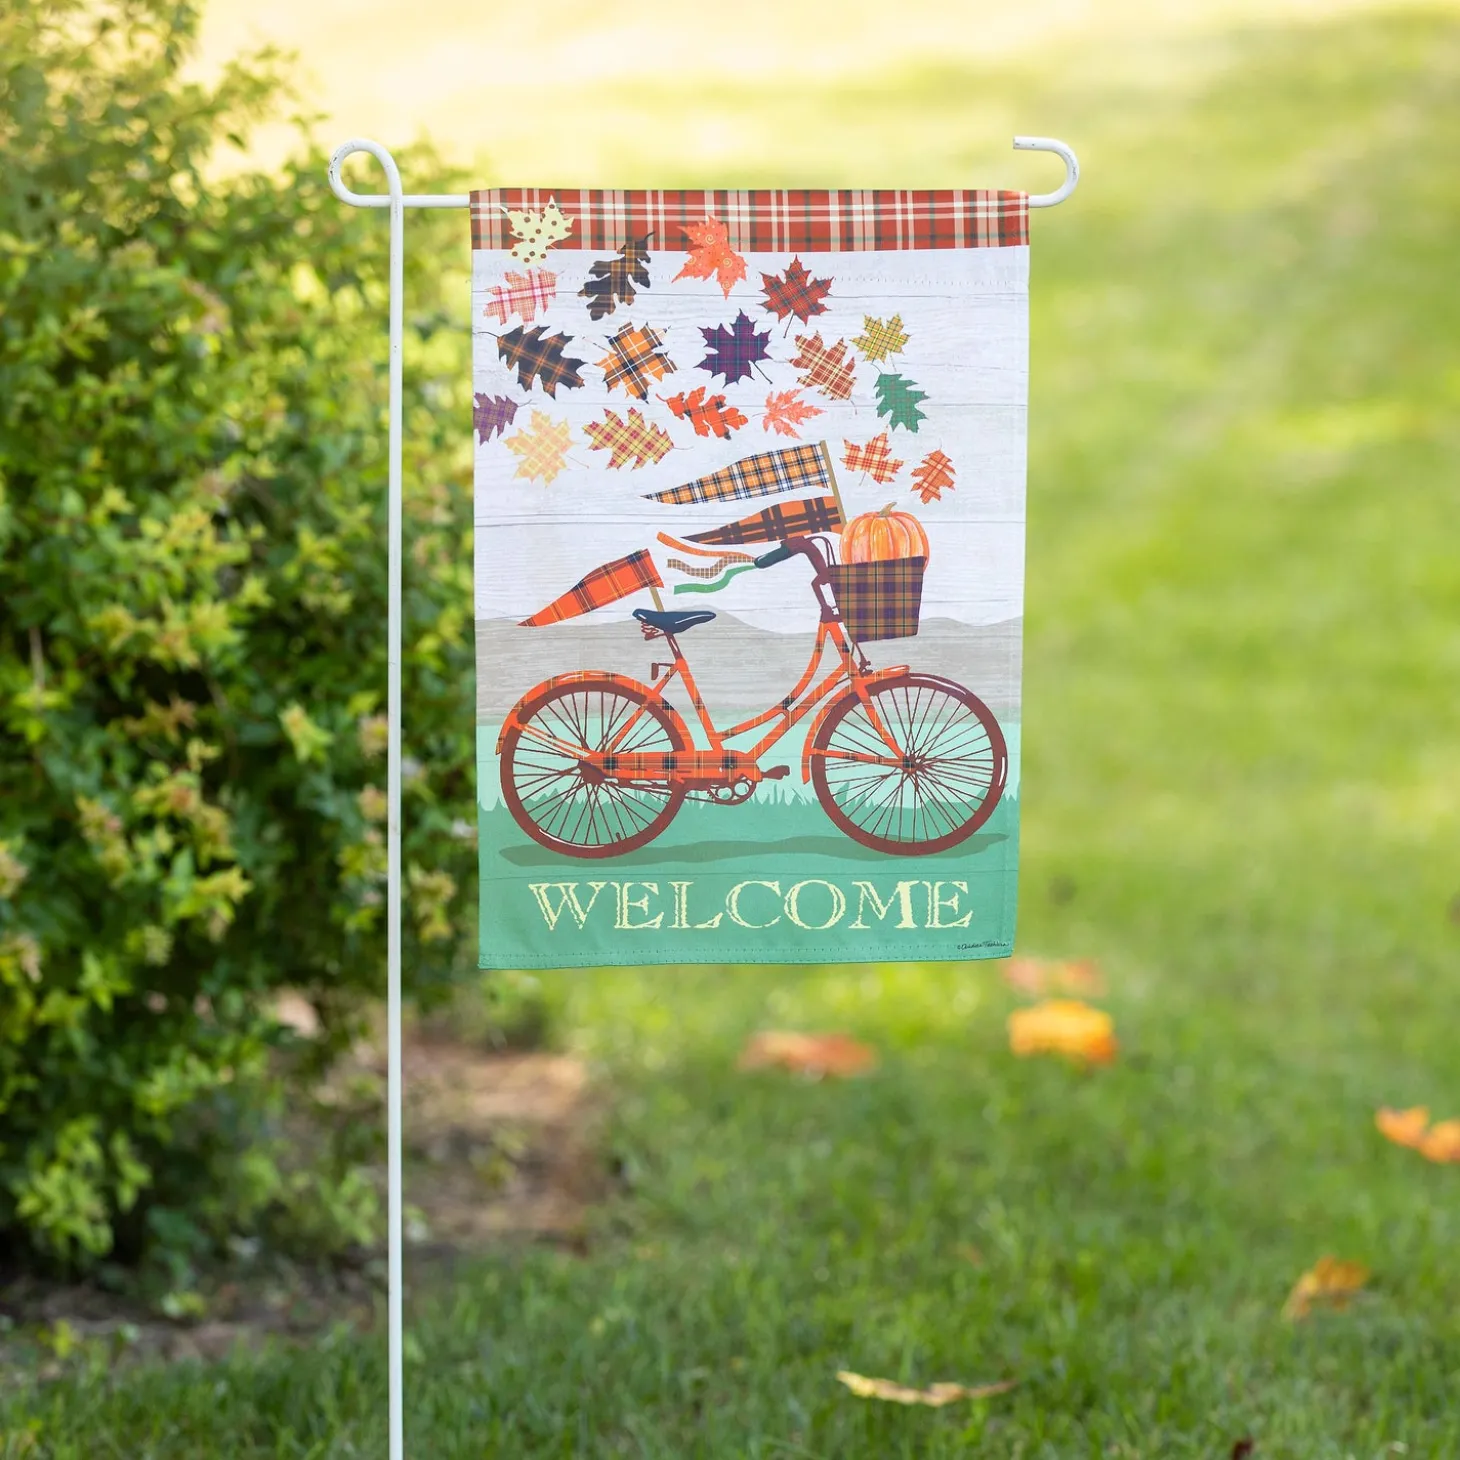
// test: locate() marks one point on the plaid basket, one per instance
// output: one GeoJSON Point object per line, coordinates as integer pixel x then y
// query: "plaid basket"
{"type": "Point", "coordinates": [879, 600]}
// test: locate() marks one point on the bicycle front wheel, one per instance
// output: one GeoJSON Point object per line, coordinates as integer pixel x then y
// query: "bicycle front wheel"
{"type": "Point", "coordinates": [932, 786]}
{"type": "Point", "coordinates": [550, 786]}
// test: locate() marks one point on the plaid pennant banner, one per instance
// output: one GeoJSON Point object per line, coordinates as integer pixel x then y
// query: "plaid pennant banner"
{"type": "Point", "coordinates": [599, 588]}
{"type": "Point", "coordinates": [776, 524]}
{"type": "Point", "coordinates": [794, 469]}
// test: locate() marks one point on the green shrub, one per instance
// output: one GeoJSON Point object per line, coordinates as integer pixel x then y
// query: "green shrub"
{"type": "Point", "coordinates": [192, 617]}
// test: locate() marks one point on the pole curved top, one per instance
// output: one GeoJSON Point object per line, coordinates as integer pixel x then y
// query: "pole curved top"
{"type": "Point", "coordinates": [1060, 150]}
{"type": "Point", "coordinates": [382, 155]}
{"type": "Point", "coordinates": [392, 173]}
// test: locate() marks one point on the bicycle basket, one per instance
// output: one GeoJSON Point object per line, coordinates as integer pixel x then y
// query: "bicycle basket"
{"type": "Point", "coordinates": [879, 600]}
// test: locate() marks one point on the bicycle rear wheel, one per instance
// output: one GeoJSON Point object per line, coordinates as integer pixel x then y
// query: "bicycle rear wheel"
{"type": "Point", "coordinates": [939, 786]}
{"type": "Point", "coordinates": [551, 789]}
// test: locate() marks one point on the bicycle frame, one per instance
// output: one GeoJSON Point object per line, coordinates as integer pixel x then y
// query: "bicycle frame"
{"type": "Point", "coordinates": [722, 765]}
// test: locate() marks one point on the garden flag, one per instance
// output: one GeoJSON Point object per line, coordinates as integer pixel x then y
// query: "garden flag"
{"type": "Point", "coordinates": [749, 573]}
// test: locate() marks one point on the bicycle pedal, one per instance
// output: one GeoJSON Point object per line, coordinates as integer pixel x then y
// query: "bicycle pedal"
{"type": "Point", "coordinates": [775, 773]}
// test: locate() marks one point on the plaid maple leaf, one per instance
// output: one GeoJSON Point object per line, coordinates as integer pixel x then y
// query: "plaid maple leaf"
{"type": "Point", "coordinates": [784, 411]}
{"type": "Point", "coordinates": [733, 352]}
{"type": "Point", "coordinates": [881, 337]}
{"type": "Point", "coordinates": [633, 439]}
{"type": "Point", "coordinates": [827, 368]}
{"type": "Point", "coordinates": [611, 281]}
{"type": "Point", "coordinates": [795, 292]}
{"type": "Point", "coordinates": [875, 458]}
{"type": "Point", "coordinates": [711, 417]}
{"type": "Point", "coordinates": [491, 415]}
{"type": "Point", "coordinates": [634, 359]}
{"type": "Point", "coordinates": [933, 476]}
{"type": "Point", "coordinates": [530, 354]}
{"type": "Point", "coordinates": [541, 447]}
{"type": "Point", "coordinates": [523, 294]}
{"type": "Point", "coordinates": [897, 400]}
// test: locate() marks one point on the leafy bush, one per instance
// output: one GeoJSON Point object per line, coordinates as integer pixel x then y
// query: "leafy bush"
{"type": "Point", "coordinates": [192, 611]}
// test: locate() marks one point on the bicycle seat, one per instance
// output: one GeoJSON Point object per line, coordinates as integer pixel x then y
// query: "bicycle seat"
{"type": "Point", "coordinates": [672, 623]}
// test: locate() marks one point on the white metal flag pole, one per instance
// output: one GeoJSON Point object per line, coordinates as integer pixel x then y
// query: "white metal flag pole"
{"type": "Point", "coordinates": [397, 201]}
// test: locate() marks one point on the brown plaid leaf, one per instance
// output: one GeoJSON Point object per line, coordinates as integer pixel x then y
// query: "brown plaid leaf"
{"type": "Point", "coordinates": [530, 353]}
{"type": "Point", "coordinates": [611, 281]}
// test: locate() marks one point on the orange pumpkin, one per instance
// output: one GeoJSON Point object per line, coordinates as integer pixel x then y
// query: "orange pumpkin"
{"type": "Point", "coordinates": [874, 536]}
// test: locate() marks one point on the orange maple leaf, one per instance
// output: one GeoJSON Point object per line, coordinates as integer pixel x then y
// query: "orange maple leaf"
{"type": "Point", "coordinates": [933, 476]}
{"type": "Point", "coordinates": [1330, 1282]}
{"type": "Point", "coordinates": [875, 458]}
{"type": "Point", "coordinates": [784, 411]}
{"type": "Point", "coordinates": [807, 1054]}
{"type": "Point", "coordinates": [711, 417]}
{"type": "Point", "coordinates": [710, 254]}
{"type": "Point", "coordinates": [1064, 1026]}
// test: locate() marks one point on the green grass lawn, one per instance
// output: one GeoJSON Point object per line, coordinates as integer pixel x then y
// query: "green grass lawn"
{"type": "Point", "coordinates": [1240, 794]}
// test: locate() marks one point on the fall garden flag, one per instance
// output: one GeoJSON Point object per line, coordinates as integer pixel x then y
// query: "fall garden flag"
{"type": "Point", "coordinates": [749, 573]}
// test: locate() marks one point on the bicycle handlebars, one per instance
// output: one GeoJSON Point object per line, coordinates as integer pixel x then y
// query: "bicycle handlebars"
{"type": "Point", "coordinates": [804, 547]}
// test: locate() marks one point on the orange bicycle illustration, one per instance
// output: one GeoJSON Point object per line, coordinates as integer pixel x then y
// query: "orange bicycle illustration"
{"type": "Point", "coordinates": [597, 764]}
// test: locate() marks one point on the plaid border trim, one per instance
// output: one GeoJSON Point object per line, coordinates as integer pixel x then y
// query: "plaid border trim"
{"type": "Point", "coordinates": [767, 221]}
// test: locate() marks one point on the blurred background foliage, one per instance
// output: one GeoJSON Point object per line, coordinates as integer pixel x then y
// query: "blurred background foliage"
{"type": "Point", "coordinates": [192, 744]}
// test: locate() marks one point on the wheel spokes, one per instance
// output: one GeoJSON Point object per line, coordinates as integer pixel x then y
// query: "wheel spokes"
{"type": "Point", "coordinates": [944, 774]}
{"type": "Point", "coordinates": [556, 746]}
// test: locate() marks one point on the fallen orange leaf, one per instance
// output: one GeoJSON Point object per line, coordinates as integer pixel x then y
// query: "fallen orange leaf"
{"type": "Point", "coordinates": [1329, 1281]}
{"type": "Point", "coordinates": [807, 1054]}
{"type": "Point", "coordinates": [1441, 1142]}
{"type": "Point", "coordinates": [1083, 976]}
{"type": "Point", "coordinates": [1403, 1127]}
{"type": "Point", "coordinates": [1025, 975]}
{"type": "Point", "coordinates": [1063, 1026]}
{"type": "Point", "coordinates": [935, 1395]}
{"type": "Point", "coordinates": [1035, 976]}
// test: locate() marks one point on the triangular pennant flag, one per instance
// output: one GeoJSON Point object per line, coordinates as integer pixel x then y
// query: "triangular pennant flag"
{"type": "Point", "coordinates": [793, 469]}
{"type": "Point", "coordinates": [604, 585]}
